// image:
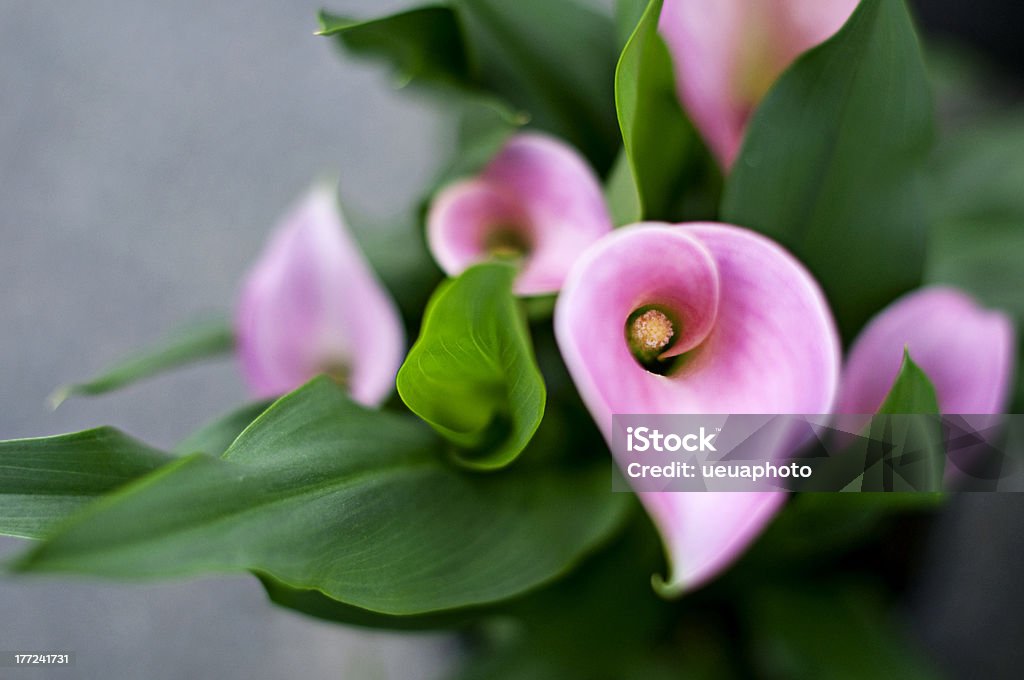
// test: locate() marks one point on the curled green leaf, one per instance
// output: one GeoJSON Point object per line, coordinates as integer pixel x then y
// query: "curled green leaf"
{"type": "Point", "coordinates": [472, 373]}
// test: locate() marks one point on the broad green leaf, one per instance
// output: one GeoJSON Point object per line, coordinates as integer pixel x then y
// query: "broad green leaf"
{"type": "Point", "coordinates": [423, 44]}
{"type": "Point", "coordinates": [830, 632]}
{"type": "Point", "coordinates": [977, 242]}
{"type": "Point", "coordinates": [832, 159]}
{"type": "Point", "coordinates": [322, 494]}
{"type": "Point", "coordinates": [44, 481]}
{"type": "Point", "coordinates": [471, 373]}
{"type": "Point", "coordinates": [911, 392]}
{"type": "Point", "coordinates": [191, 344]}
{"type": "Point", "coordinates": [215, 437]}
{"type": "Point", "coordinates": [664, 151]}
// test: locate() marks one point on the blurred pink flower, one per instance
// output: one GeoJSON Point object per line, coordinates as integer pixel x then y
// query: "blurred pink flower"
{"type": "Point", "coordinates": [311, 304]}
{"type": "Point", "coordinates": [697, 318]}
{"type": "Point", "coordinates": [728, 53]}
{"type": "Point", "coordinates": [967, 352]}
{"type": "Point", "coordinates": [537, 199]}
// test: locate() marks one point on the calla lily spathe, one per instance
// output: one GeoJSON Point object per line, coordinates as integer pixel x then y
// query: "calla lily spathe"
{"type": "Point", "coordinates": [742, 328]}
{"type": "Point", "coordinates": [311, 304]}
{"type": "Point", "coordinates": [537, 200]}
{"type": "Point", "coordinates": [966, 351]}
{"type": "Point", "coordinates": [728, 53]}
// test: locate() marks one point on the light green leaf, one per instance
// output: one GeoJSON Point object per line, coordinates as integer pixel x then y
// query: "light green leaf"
{"type": "Point", "coordinates": [44, 481]}
{"type": "Point", "coordinates": [471, 373]}
{"type": "Point", "coordinates": [832, 159]}
{"type": "Point", "coordinates": [322, 494]}
{"type": "Point", "coordinates": [664, 151]}
{"type": "Point", "coordinates": [191, 344]}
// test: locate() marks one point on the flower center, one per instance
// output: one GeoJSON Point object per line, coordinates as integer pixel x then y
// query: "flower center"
{"type": "Point", "coordinates": [507, 242]}
{"type": "Point", "coordinates": [649, 332]}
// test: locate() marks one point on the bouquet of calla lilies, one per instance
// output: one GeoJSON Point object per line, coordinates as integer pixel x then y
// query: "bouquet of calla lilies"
{"type": "Point", "coordinates": [690, 207]}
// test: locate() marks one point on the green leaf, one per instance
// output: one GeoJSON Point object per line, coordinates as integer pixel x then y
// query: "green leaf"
{"type": "Point", "coordinates": [603, 621]}
{"type": "Point", "coordinates": [316, 604]}
{"type": "Point", "coordinates": [423, 44]}
{"type": "Point", "coordinates": [554, 60]}
{"type": "Point", "coordinates": [194, 343]}
{"type": "Point", "coordinates": [322, 494]}
{"type": "Point", "coordinates": [215, 437]}
{"type": "Point", "coordinates": [627, 15]}
{"type": "Point", "coordinates": [982, 256]}
{"type": "Point", "coordinates": [830, 632]}
{"type": "Point", "coordinates": [484, 125]}
{"type": "Point", "coordinates": [913, 457]}
{"type": "Point", "coordinates": [397, 252]}
{"type": "Point", "coordinates": [831, 163]}
{"type": "Point", "coordinates": [819, 530]}
{"type": "Point", "coordinates": [664, 152]}
{"type": "Point", "coordinates": [43, 481]}
{"type": "Point", "coordinates": [471, 373]}
{"type": "Point", "coordinates": [912, 391]}
{"type": "Point", "coordinates": [977, 242]}
{"type": "Point", "coordinates": [620, 193]}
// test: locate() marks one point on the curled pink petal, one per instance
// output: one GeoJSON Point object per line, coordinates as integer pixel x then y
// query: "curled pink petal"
{"type": "Point", "coordinates": [966, 351]}
{"type": "Point", "coordinates": [311, 304]}
{"type": "Point", "coordinates": [537, 199]}
{"type": "Point", "coordinates": [728, 53]}
{"type": "Point", "coordinates": [756, 337]}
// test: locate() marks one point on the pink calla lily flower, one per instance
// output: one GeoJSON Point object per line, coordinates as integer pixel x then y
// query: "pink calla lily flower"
{"type": "Point", "coordinates": [311, 304]}
{"type": "Point", "coordinates": [697, 318]}
{"type": "Point", "coordinates": [966, 351]}
{"type": "Point", "coordinates": [537, 199]}
{"type": "Point", "coordinates": [728, 53]}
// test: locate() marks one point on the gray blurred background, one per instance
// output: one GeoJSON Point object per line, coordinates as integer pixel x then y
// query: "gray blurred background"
{"type": "Point", "coordinates": [146, 148]}
{"type": "Point", "coordinates": [145, 151]}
